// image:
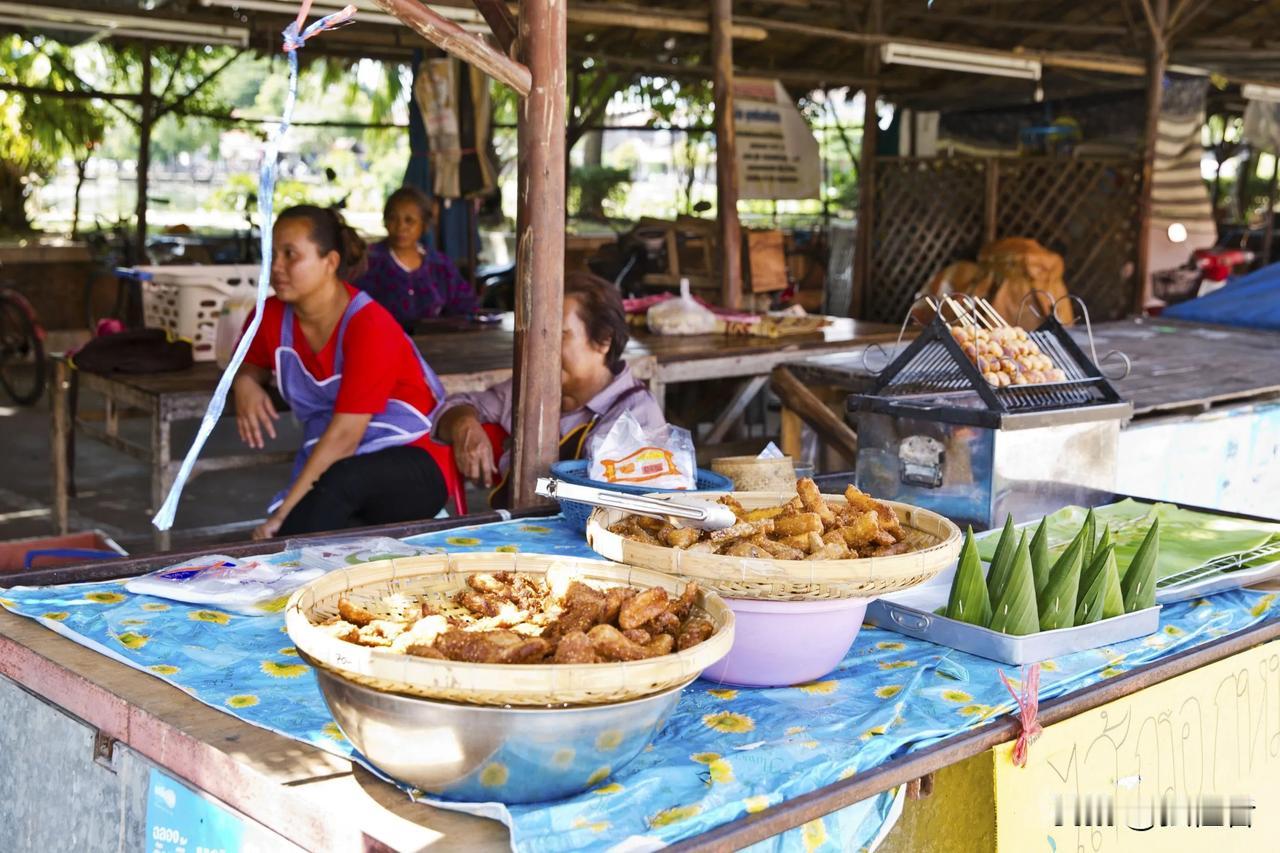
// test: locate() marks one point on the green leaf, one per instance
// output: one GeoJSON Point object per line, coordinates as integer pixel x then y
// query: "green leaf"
{"type": "Point", "coordinates": [968, 601]}
{"type": "Point", "coordinates": [1058, 601]}
{"type": "Point", "coordinates": [1002, 560]}
{"type": "Point", "coordinates": [1105, 539]}
{"type": "Point", "coordinates": [1040, 564]}
{"type": "Point", "coordinates": [1015, 612]}
{"type": "Point", "coordinates": [1090, 531]}
{"type": "Point", "coordinates": [1139, 582]}
{"type": "Point", "coordinates": [1100, 595]}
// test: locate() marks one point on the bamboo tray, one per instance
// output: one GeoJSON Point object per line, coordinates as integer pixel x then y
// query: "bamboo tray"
{"type": "Point", "coordinates": [935, 539]}
{"type": "Point", "coordinates": [390, 587]}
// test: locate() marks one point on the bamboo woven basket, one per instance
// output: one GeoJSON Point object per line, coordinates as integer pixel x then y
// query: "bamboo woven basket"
{"type": "Point", "coordinates": [935, 539]}
{"type": "Point", "coordinates": [389, 587]}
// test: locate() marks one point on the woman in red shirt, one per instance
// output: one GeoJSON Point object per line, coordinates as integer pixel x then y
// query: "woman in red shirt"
{"type": "Point", "coordinates": [352, 377]}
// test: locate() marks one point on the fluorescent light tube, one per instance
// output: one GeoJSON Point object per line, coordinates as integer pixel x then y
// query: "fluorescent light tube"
{"type": "Point", "coordinates": [966, 61]}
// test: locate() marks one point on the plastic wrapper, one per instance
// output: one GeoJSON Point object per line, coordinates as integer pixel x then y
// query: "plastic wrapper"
{"type": "Point", "coordinates": [682, 316]}
{"type": "Point", "coordinates": [629, 455]}
{"type": "Point", "coordinates": [329, 554]}
{"type": "Point", "coordinates": [249, 587]}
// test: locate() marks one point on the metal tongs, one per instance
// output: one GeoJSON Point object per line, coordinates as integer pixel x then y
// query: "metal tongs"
{"type": "Point", "coordinates": [702, 514]}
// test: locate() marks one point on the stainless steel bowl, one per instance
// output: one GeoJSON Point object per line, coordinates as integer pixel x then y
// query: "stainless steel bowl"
{"type": "Point", "coordinates": [481, 753]}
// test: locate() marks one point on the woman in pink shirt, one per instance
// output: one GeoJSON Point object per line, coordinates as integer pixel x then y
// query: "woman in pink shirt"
{"type": "Point", "coordinates": [596, 387]}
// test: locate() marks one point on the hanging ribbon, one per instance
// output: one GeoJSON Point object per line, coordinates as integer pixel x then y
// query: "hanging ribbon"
{"type": "Point", "coordinates": [1028, 706]}
{"type": "Point", "coordinates": [294, 37]}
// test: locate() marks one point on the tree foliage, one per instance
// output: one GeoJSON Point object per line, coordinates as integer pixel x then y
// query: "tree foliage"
{"type": "Point", "coordinates": [36, 130]}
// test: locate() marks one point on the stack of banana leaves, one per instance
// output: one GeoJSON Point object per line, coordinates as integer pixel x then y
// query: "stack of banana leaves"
{"type": "Point", "coordinates": [1025, 590]}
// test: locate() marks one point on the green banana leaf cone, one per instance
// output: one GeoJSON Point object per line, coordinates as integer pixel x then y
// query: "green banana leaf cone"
{"type": "Point", "coordinates": [1058, 601]}
{"type": "Point", "coordinates": [1040, 564]}
{"type": "Point", "coordinates": [969, 601]}
{"type": "Point", "coordinates": [1100, 595]}
{"type": "Point", "coordinates": [1089, 532]}
{"type": "Point", "coordinates": [1015, 610]}
{"type": "Point", "coordinates": [1002, 560]}
{"type": "Point", "coordinates": [1139, 582]}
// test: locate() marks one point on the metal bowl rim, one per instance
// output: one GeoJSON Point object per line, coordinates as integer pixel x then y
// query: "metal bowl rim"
{"type": "Point", "coordinates": [495, 709]}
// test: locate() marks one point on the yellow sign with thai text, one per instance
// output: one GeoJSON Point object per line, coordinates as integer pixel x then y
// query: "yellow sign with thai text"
{"type": "Point", "coordinates": [1191, 764]}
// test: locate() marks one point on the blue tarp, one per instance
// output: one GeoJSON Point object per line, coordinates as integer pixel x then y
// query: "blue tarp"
{"type": "Point", "coordinates": [1251, 301]}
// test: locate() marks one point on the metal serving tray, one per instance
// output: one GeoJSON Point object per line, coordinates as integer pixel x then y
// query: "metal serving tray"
{"type": "Point", "coordinates": [911, 612]}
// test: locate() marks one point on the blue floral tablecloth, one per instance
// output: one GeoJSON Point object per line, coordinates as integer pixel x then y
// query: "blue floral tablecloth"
{"type": "Point", "coordinates": [725, 752]}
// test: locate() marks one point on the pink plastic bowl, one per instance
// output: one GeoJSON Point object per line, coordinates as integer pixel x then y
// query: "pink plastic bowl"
{"type": "Point", "coordinates": [777, 643]}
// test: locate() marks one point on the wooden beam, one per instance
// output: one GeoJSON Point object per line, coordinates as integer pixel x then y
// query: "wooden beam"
{"type": "Point", "coordinates": [829, 426]}
{"type": "Point", "coordinates": [661, 20]}
{"type": "Point", "coordinates": [985, 22]}
{"type": "Point", "coordinates": [539, 248]}
{"type": "Point", "coordinates": [862, 260]}
{"type": "Point", "coordinates": [1157, 62]}
{"type": "Point", "coordinates": [726, 155]}
{"type": "Point", "coordinates": [458, 43]}
{"type": "Point", "coordinates": [501, 23]}
{"type": "Point", "coordinates": [1081, 60]}
{"type": "Point", "coordinates": [795, 76]}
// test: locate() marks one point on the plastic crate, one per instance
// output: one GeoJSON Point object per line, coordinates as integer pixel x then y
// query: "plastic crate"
{"type": "Point", "coordinates": [575, 472]}
{"type": "Point", "coordinates": [186, 300]}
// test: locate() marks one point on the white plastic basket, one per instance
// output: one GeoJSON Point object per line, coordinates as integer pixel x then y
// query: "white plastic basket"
{"type": "Point", "coordinates": [186, 300]}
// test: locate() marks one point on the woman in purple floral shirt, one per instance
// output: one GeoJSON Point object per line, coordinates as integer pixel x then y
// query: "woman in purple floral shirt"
{"type": "Point", "coordinates": [411, 281]}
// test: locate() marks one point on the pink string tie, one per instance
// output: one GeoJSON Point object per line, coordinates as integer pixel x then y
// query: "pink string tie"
{"type": "Point", "coordinates": [1028, 707]}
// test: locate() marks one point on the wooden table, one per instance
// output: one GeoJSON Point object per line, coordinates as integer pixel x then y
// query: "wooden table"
{"type": "Point", "coordinates": [466, 358]}
{"type": "Point", "coordinates": [663, 361]}
{"type": "Point", "coordinates": [291, 795]}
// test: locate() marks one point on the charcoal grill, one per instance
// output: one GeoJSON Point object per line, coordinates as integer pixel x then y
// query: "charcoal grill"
{"type": "Point", "coordinates": [933, 432]}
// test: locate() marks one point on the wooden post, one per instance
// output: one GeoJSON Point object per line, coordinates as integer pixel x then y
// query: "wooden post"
{"type": "Point", "coordinates": [1157, 60]}
{"type": "Point", "coordinates": [862, 260]}
{"type": "Point", "coordinates": [539, 248]}
{"type": "Point", "coordinates": [146, 119]}
{"type": "Point", "coordinates": [1268, 235]}
{"type": "Point", "coordinates": [62, 426]}
{"type": "Point", "coordinates": [726, 154]}
{"type": "Point", "coordinates": [991, 207]}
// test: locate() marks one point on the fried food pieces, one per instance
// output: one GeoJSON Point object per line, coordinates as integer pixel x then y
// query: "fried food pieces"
{"type": "Point", "coordinates": [512, 618]}
{"type": "Point", "coordinates": [807, 527]}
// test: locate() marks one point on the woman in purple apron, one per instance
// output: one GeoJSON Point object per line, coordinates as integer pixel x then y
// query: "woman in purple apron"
{"type": "Point", "coordinates": [357, 384]}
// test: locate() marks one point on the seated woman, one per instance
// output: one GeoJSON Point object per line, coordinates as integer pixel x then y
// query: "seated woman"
{"type": "Point", "coordinates": [596, 387]}
{"type": "Point", "coordinates": [408, 279]}
{"type": "Point", "coordinates": [352, 377]}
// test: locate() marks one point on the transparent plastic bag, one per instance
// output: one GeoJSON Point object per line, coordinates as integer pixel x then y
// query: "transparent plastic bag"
{"type": "Point", "coordinates": [681, 316]}
{"type": "Point", "coordinates": [249, 587]}
{"type": "Point", "coordinates": [628, 455]}
{"type": "Point", "coordinates": [334, 553]}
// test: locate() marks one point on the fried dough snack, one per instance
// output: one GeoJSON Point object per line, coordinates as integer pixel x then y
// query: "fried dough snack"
{"type": "Point", "coordinates": [512, 618]}
{"type": "Point", "coordinates": [805, 528]}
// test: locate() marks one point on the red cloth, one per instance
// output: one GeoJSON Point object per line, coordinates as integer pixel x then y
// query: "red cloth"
{"type": "Point", "coordinates": [378, 364]}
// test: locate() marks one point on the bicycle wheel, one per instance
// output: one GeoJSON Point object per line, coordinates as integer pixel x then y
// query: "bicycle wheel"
{"type": "Point", "coordinates": [21, 353]}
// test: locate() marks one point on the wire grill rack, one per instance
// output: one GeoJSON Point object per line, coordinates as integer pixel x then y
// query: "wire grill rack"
{"type": "Point", "coordinates": [934, 364]}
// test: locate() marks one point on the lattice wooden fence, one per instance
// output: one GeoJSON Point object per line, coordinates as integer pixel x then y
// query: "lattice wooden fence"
{"type": "Point", "coordinates": [1086, 211]}
{"type": "Point", "coordinates": [928, 213]}
{"type": "Point", "coordinates": [932, 212]}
